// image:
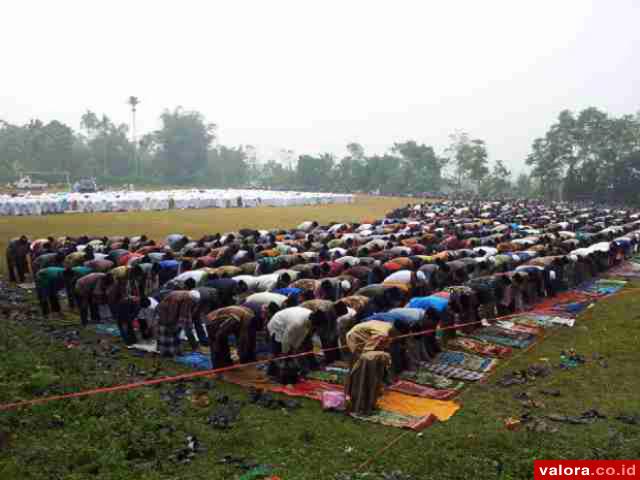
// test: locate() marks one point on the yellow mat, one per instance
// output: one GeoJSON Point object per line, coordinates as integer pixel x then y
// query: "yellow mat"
{"type": "Point", "coordinates": [417, 407]}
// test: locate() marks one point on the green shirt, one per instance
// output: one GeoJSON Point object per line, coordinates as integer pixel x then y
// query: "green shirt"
{"type": "Point", "coordinates": [50, 277]}
{"type": "Point", "coordinates": [81, 271]}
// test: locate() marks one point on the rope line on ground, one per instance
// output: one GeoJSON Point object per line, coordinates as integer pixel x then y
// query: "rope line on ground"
{"type": "Point", "coordinates": [215, 371]}
{"type": "Point", "coordinates": [205, 373]}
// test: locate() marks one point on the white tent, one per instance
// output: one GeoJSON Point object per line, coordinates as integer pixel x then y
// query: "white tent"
{"type": "Point", "coordinates": [50, 203]}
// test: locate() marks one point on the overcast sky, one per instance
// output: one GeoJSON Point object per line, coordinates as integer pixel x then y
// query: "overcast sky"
{"type": "Point", "coordinates": [313, 76]}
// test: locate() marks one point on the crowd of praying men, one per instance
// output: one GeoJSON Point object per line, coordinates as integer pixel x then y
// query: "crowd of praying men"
{"type": "Point", "coordinates": [355, 287]}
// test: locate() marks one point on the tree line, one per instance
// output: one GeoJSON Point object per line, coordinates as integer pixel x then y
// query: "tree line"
{"type": "Point", "coordinates": [581, 156]}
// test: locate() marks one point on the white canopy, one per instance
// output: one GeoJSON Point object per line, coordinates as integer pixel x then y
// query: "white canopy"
{"type": "Point", "coordinates": [118, 201]}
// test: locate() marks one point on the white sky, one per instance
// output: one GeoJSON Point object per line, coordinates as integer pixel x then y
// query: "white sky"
{"type": "Point", "coordinates": [313, 76]}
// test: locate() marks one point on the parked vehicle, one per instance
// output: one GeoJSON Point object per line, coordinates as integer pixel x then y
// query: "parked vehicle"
{"type": "Point", "coordinates": [85, 185]}
{"type": "Point", "coordinates": [26, 183]}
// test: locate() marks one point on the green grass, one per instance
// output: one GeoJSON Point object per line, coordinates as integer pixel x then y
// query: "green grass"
{"type": "Point", "coordinates": [132, 435]}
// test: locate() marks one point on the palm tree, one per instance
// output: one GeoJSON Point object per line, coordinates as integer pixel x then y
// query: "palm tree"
{"type": "Point", "coordinates": [133, 103]}
{"type": "Point", "coordinates": [104, 126]}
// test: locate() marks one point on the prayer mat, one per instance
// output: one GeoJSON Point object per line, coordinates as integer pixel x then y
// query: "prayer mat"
{"type": "Point", "coordinates": [573, 308]}
{"type": "Point", "coordinates": [410, 388]}
{"type": "Point", "coordinates": [428, 379]}
{"type": "Point", "coordinates": [570, 296]}
{"type": "Point", "coordinates": [456, 373]}
{"type": "Point", "coordinates": [195, 360]}
{"type": "Point", "coordinates": [107, 328]}
{"type": "Point", "coordinates": [467, 361]}
{"type": "Point", "coordinates": [335, 368]}
{"type": "Point", "coordinates": [327, 376]}
{"type": "Point", "coordinates": [391, 419]}
{"type": "Point", "coordinates": [479, 347]}
{"type": "Point", "coordinates": [504, 337]}
{"type": "Point", "coordinates": [307, 388]}
{"type": "Point", "coordinates": [534, 320]}
{"type": "Point", "coordinates": [248, 377]}
{"type": "Point", "coordinates": [417, 407]}
{"type": "Point", "coordinates": [603, 286]}
{"type": "Point", "coordinates": [517, 327]}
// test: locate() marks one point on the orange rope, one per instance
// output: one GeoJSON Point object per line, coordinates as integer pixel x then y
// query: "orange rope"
{"type": "Point", "coordinates": [205, 373]}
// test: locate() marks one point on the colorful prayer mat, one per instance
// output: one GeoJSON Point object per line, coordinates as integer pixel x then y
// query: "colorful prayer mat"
{"type": "Point", "coordinates": [502, 336]}
{"type": "Point", "coordinates": [603, 286]}
{"type": "Point", "coordinates": [107, 328]}
{"type": "Point", "coordinates": [426, 378]}
{"type": "Point", "coordinates": [397, 420]}
{"type": "Point", "coordinates": [327, 376]}
{"type": "Point", "coordinates": [467, 361]}
{"type": "Point", "coordinates": [195, 360]}
{"type": "Point", "coordinates": [456, 373]}
{"type": "Point", "coordinates": [479, 347]}
{"type": "Point", "coordinates": [410, 388]}
{"type": "Point", "coordinates": [518, 327]}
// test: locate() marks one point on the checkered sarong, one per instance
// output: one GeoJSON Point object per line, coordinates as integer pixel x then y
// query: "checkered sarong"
{"type": "Point", "coordinates": [168, 340]}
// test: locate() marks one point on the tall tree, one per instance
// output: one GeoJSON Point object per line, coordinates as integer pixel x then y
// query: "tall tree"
{"type": "Point", "coordinates": [58, 144]}
{"type": "Point", "coordinates": [498, 183]}
{"type": "Point", "coordinates": [183, 143]}
{"type": "Point", "coordinates": [228, 167]}
{"type": "Point", "coordinates": [422, 168]}
{"type": "Point", "coordinates": [133, 102]}
{"type": "Point", "coordinates": [469, 158]}
{"type": "Point", "coordinates": [583, 153]}
{"type": "Point", "coordinates": [523, 186]}
{"type": "Point", "coordinates": [315, 172]}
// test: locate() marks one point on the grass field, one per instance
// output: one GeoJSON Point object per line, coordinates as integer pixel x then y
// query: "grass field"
{"type": "Point", "coordinates": [134, 435]}
{"type": "Point", "coordinates": [191, 222]}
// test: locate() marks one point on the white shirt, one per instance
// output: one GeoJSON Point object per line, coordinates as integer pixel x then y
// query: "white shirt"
{"type": "Point", "coordinates": [290, 327]}
{"type": "Point", "coordinates": [240, 255]}
{"type": "Point", "coordinates": [267, 282]}
{"type": "Point", "coordinates": [305, 226]}
{"type": "Point", "coordinates": [488, 251]}
{"type": "Point", "coordinates": [351, 260]}
{"type": "Point", "coordinates": [249, 280]}
{"type": "Point", "coordinates": [266, 298]}
{"type": "Point", "coordinates": [403, 276]}
{"type": "Point", "coordinates": [197, 275]}
{"type": "Point", "coordinates": [346, 318]}
{"type": "Point", "coordinates": [293, 274]}
{"type": "Point", "coordinates": [580, 252]}
{"type": "Point", "coordinates": [600, 247]}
